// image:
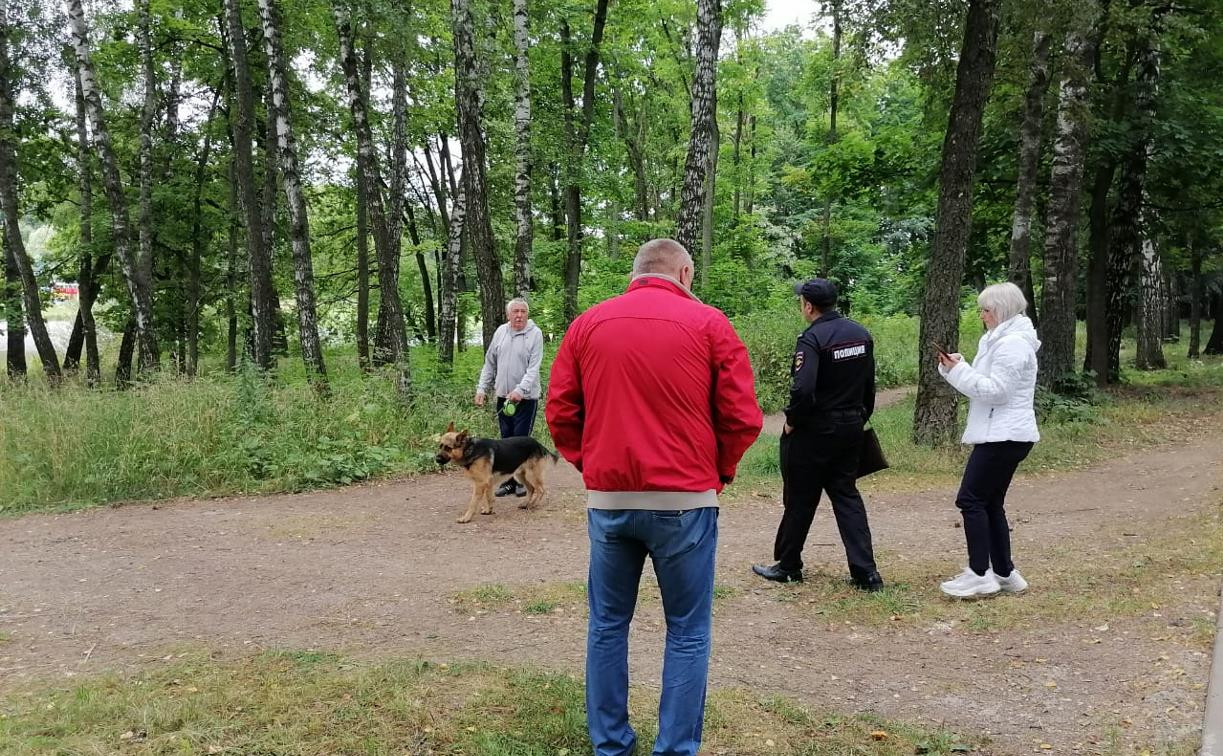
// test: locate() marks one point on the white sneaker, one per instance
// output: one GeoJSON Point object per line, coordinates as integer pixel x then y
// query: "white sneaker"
{"type": "Point", "coordinates": [1012, 583]}
{"type": "Point", "coordinates": [969, 584]}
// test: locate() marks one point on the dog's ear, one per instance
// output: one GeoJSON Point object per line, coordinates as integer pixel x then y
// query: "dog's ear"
{"type": "Point", "coordinates": [450, 428]}
{"type": "Point", "coordinates": [462, 437]}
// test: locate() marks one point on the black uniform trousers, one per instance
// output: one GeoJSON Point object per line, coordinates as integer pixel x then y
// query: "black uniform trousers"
{"type": "Point", "coordinates": [815, 460]}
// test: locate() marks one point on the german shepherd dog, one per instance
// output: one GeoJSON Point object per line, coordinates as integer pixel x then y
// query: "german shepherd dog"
{"type": "Point", "coordinates": [489, 461]}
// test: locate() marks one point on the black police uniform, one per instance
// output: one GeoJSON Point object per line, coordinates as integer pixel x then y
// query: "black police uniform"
{"type": "Point", "coordinates": [832, 395]}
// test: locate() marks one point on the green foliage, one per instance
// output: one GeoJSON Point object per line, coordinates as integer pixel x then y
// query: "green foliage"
{"type": "Point", "coordinates": [223, 435]}
{"type": "Point", "coordinates": [1072, 400]}
{"type": "Point", "coordinates": [770, 337]}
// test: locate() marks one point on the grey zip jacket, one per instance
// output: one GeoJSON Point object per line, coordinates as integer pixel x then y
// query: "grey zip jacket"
{"type": "Point", "coordinates": [512, 361]}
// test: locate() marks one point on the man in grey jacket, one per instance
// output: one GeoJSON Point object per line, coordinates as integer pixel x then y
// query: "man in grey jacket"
{"type": "Point", "coordinates": [511, 371]}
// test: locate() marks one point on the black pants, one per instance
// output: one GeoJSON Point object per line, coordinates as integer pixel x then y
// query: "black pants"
{"type": "Point", "coordinates": [981, 500]}
{"type": "Point", "coordinates": [522, 422]}
{"type": "Point", "coordinates": [813, 461]}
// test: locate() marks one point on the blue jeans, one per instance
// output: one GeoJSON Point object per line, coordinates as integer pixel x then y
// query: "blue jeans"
{"type": "Point", "coordinates": [522, 422]}
{"type": "Point", "coordinates": [682, 546]}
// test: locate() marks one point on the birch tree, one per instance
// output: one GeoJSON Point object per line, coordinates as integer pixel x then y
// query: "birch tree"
{"type": "Point", "coordinates": [391, 341]}
{"type": "Point", "coordinates": [703, 142]}
{"type": "Point", "coordinates": [1019, 270]}
{"type": "Point", "coordinates": [524, 229]}
{"type": "Point", "coordinates": [260, 261]}
{"type": "Point", "coordinates": [469, 105]}
{"type": "Point", "coordinates": [1066, 183]}
{"type": "Point", "coordinates": [139, 287]}
{"type": "Point", "coordinates": [299, 224]}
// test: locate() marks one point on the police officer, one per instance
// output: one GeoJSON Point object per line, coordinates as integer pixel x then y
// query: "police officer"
{"type": "Point", "coordinates": [832, 395]}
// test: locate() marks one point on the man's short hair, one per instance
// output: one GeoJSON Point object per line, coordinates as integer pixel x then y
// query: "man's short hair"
{"type": "Point", "coordinates": [516, 301]}
{"type": "Point", "coordinates": [1005, 300]}
{"type": "Point", "coordinates": [665, 256]}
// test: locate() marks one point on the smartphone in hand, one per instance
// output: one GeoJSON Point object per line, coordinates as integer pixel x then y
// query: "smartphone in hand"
{"type": "Point", "coordinates": [939, 348]}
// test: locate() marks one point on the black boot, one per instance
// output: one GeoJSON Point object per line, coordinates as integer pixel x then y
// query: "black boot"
{"type": "Point", "coordinates": [869, 583]}
{"type": "Point", "coordinates": [508, 488]}
{"type": "Point", "coordinates": [775, 573]}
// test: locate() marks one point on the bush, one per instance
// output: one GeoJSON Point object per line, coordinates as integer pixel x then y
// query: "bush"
{"type": "Point", "coordinates": [770, 337]}
{"type": "Point", "coordinates": [225, 434]}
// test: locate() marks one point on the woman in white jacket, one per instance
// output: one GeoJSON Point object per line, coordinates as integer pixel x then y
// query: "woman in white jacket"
{"type": "Point", "coordinates": [1001, 388]}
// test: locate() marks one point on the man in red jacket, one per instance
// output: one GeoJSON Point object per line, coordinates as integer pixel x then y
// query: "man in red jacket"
{"type": "Point", "coordinates": [651, 397]}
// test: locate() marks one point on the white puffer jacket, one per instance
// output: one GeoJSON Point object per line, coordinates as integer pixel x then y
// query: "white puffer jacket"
{"type": "Point", "coordinates": [1000, 384]}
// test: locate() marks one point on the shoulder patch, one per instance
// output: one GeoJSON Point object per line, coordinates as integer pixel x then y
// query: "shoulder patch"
{"type": "Point", "coordinates": [843, 352]}
{"type": "Point", "coordinates": [799, 356]}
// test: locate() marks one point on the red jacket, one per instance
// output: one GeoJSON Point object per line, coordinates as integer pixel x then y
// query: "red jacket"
{"type": "Point", "coordinates": [652, 391]}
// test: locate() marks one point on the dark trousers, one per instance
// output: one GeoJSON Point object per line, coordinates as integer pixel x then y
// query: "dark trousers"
{"type": "Point", "coordinates": [981, 500]}
{"type": "Point", "coordinates": [813, 461]}
{"type": "Point", "coordinates": [522, 422]}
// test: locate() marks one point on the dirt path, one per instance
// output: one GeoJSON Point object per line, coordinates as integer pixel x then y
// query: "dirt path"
{"type": "Point", "coordinates": [373, 570]}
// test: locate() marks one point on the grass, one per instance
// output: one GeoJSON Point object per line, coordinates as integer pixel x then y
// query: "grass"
{"type": "Point", "coordinates": [305, 702]}
{"type": "Point", "coordinates": [1157, 572]}
{"type": "Point", "coordinates": [545, 598]}
{"type": "Point", "coordinates": [223, 434]}
{"type": "Point", "coordinates": [228, 434]}
{"type": "Point", "coordinates": [1152, 409]}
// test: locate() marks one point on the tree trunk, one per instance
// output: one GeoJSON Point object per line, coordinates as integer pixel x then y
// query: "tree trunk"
{"type": "Point", "coordinates": [448, 296]}
{"type": "Point", "coordinates": [576, 137]}
{"type": "Point", "coordinates": [391, 340]}
{"type": "Point", "coordinates": [1096, 360]}
{"type": "Point", "coordinates": [1215, 344]}
{"type": "Point", "coordinates": [704, 111]}
{"type": "Point", "coordinates": [139, 287]}
{"type": "Point", "coordinates": [711, 180]}
{"type": "Point", "coordinates": [84, 329]}
{"type": "Point", "coordinates": [127, 348]}
{"type": "Point", "coordinates": [1020, 268]}
{"type": "Point", "coordinates": [749, 201]}
{"type": "Point", "coordinates": [198, 243]}
{"type": "Point", "coordinates": [1172, 301]}
{"type": "Point", "coordinates": [522, 131]}
{"type": "Point", "coordinates": [1133, 253]}
{"type": "Point", "coordinates": [231, 267]}
{"type": "Point", "coordinates": [426, 288]}
{"type": "Point", "coordinates": [299, 224]}
{"type": "Point", "coordinates": [558, 212]}
{"type": "Point", "coordinates": [1149, 351]}
{"type": "Point", "coordinates": [833, 97]}
{"type": "Point", "coordinates": [14, 317]}
{"type": "Point", "coordinates": [632, 132]}
{"type": "Point", "coordinates": [362, 276]}
{"type": "Point", "coordinates": [395, 197]}
{"type": "Point", "coordinates": [267, 215]}
{"type": "Point", "coordinates": [260, 261]}
{"type": "Point", "coordinates": [468, 98]}
{"type": "Point", "coordinates": [1196, 293]}
{"type": "Point", "coordinates": [148, 114]}
{"type": "Point", "coordinates": [14, 246]}
{"type": "Point", "coordinates": [739, 124]}
{"type": "Point", "coordinates": [934, 417]}
{"type": "Point", "coordinates": [1061, 243]}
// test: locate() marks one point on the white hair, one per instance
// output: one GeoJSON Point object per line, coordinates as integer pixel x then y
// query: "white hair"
{"type": "Point", "coordinates": [516, 301]}
{"type": "Point", "coordinates": [1005, 300]}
